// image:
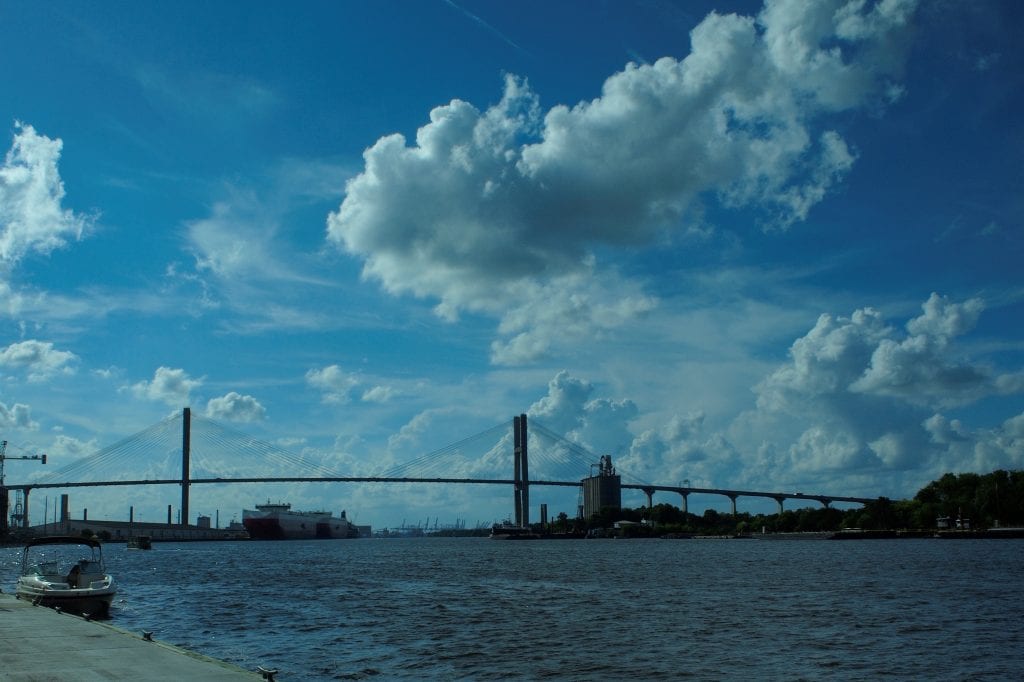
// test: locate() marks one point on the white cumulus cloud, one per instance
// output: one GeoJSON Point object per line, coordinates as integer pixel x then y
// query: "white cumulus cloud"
{"type": "Point", "coordinates": [17, 416]}
{"type": "Point", "coordinates": [334, 383]}
{"type": "Point", "coordinates": [489, 210]}
{"type": "Point", "coordinates": [236, 407]}
{"type": "Point", "coordinates": [919, 369]}
{"type": "Point", "coordinates": [961, 448]}
{"type": "Point", "coordinates": [338, 386]}
{"type": "Point", "coordinates": [31, 191]}
{"type": "Point", "coordinates": [858, 395]}
{"type": "Point", "coordinates": [569, 410]}
{"type": "Point", "coordinates": [680, 449]}
{"type": "Point", "coordinates": [172, 386]}
{"type": "Point", "coordinates": [38, 358]}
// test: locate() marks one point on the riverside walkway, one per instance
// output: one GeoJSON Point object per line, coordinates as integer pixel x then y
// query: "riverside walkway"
{"type": "Point", "coordinates": [37, 643]}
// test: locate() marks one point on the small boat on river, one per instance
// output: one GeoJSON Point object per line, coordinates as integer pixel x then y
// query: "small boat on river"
{"type": "Point", "coordinates": [510, 531]}
{"type": "Point", "coordinates": [66, 572]}
{"type": "Point", "coordinates": [139, 542]}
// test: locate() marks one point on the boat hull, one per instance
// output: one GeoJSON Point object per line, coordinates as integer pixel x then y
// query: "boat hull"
{"type": "Point", "coordinates": [295, 526]}
{"type": "Point", "coordinates": [510, 532]}
{"type": "Point", "coordinates": [93, 602]}
{"type": "Point", "coordinates": [139, 542]}
{"type": "Point", "coordinates": [54, 573]}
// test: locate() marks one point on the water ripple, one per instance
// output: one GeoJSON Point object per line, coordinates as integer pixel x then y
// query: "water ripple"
{"type": "Point", "coordinates": [587, 610]}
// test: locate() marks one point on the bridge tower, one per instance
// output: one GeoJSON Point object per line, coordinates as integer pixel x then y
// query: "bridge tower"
{"type": "Point", "coordinates": [186, 453]}
{"type": "Point", "coordinates": [521, 473]}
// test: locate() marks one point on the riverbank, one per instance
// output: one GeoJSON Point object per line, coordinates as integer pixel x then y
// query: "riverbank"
{"type": "Point", "coordinates": [988, 534]}
{"type": "Point", "coordinates": [37, 643]}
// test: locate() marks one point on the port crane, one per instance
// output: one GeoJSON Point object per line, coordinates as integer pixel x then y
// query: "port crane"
{"type": "Point", "coordinates": [17, 514]}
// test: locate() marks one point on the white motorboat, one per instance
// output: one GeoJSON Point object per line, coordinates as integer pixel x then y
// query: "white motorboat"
{"type": "Point", "coordinates": [66, 572]}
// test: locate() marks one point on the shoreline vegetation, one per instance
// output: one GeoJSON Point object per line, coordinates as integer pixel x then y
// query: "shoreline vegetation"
{"type": "Point", "coordinates": [964, 505]}
{"type": "Point", "coordinates": [954, 506]}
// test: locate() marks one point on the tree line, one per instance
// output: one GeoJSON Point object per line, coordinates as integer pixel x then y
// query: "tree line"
{"type": "Point", "coordinates": [982, 500]}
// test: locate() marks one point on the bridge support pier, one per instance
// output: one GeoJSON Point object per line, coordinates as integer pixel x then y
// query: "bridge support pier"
{"type": "Point", "coordinates": [649, 492]}
{"type": "Point", "coordinates": [685, 506]}
{"type": "Point", "coordinates": [732, 498]}
{"type": "Point", "coordinates": [779, 500]}
{"type": "Point", "coordinates": [24, 508]}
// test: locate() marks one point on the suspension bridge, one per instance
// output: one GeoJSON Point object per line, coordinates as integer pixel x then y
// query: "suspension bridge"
{"type": "Point", "coordinates": [187, 450]}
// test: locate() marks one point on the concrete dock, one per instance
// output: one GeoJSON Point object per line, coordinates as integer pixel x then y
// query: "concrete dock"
{"type": "Point", "coordinates": [37, 644]}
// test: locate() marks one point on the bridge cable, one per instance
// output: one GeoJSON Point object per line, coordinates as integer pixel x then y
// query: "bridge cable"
{"type": "Point", "coordinates": [582, 456]}
{"type": "Point", "coordinates": [436, 460]}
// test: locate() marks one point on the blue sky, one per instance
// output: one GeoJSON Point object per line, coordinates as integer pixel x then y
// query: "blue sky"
{"type": "Point", "coordinates": [751, 246]}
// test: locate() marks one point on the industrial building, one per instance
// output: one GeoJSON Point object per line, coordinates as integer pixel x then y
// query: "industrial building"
{"type": "Point", "coordinates": [602, 491]}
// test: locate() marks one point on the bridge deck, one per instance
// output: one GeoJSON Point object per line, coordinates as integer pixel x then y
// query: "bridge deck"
{"type": "Point", "coordinates": [727, 492]}
{"type": "Point", "coordinates": [37, 643]}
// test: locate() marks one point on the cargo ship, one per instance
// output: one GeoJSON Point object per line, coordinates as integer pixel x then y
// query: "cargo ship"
{"type": "Point", "coordinates": [278, 522]}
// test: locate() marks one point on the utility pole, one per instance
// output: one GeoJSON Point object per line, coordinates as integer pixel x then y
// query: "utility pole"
{"type": "Point", "coordinates": [3, 489]}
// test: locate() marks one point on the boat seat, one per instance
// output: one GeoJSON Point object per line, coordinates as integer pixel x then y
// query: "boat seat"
{"type": "Point", "coordinates": [89, 567]}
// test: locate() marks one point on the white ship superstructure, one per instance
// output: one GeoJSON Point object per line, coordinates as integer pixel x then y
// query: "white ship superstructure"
{"type": "Point", "coordinates": [277, 521]}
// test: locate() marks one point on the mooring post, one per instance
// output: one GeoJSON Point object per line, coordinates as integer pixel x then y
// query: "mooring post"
{"type": "Point", "coordinates": [186, 437]}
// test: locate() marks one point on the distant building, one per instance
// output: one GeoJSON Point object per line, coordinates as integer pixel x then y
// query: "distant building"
{"type": "Point", "coordinates": [119, 531]}
{"type": "Point", "coordinates": [603, 490]}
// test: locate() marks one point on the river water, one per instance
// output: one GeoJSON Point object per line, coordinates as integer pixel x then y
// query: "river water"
{"type": "Point", "coordinates": [477, 609]}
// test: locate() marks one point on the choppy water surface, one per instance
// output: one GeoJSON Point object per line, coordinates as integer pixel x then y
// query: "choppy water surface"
{"type": "Point", "coordinates": [436, 608]}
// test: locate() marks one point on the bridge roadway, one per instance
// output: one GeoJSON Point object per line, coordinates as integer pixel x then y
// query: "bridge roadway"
{"type": "Point", "coordinates": [649, 490]}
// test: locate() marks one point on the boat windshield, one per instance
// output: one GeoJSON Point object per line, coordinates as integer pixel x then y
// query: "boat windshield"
{"type": "Point", "coordinates": [57, 560]}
